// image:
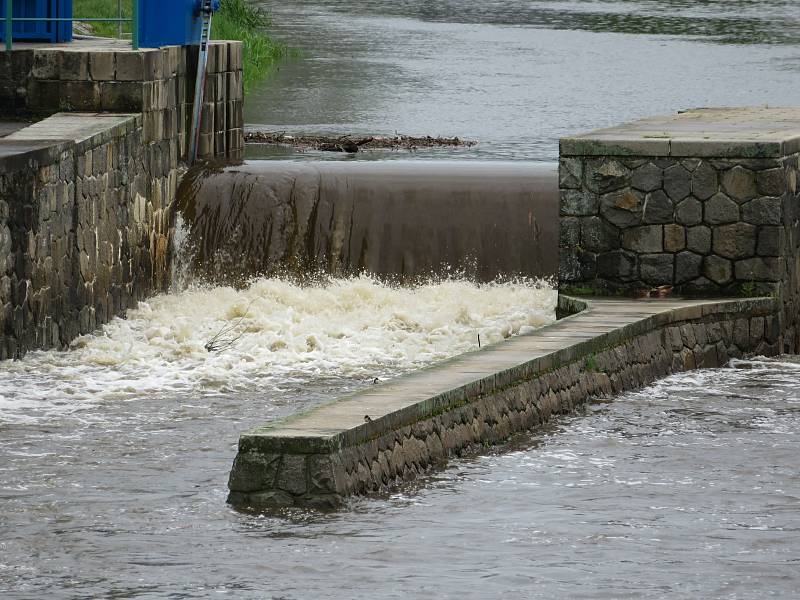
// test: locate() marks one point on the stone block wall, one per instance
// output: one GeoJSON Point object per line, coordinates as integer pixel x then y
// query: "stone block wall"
{"type": "Point", "coordinates": [159, 83]}
{"type": "Point", "coordinates": [710, 226]}
{"type": "Point", "coordinates": [320, 471]}
{"type": "Point", "coordinates": [84, 229]}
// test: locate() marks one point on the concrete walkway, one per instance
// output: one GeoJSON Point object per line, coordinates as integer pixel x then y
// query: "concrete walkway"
{"type": "Point", "coordinates": [387, 404]}
{"type": "Point", "coordinates": [393, 432]}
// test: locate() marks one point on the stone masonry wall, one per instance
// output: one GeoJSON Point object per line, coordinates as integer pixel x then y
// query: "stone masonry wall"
{"type": "Point", "coordinates": [159, 83]}
{"type": "Point", "coordinates": [519, 401]}
{"type": "Point", "coordinates": [84, 224]}
{"type": "Point", "coordinates": [83, 233]}
{"type": "Point", "coordinates": [708, 227]}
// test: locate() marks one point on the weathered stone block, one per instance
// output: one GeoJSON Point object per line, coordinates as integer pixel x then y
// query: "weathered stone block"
{"type": "Point", "coordinates": [617, 264]}
{"type": "Point", "coordinates": [598, 235]}
{"type": "Point", "coordinates": [153, 64]}
{"type": "Point", "coordinates": [760, 269]}
{"type": "Point", "coordinates": [735, 241]}
{"type": "Point", "coordinates": [605, 175]}
{"type": "Point", "coordinates": [677, 182]}
{"type": "Point", "coordinates": [235, 55]}
{"type": "Point", "coordinates": [756, 331]}
{"type": "Point", "coordinates": [763, 211]}
{"type": "Point", "coordinates": [578, 203]}
{"type": "Point", "coordinates": [771, 182]}
{"type": "Point", "coordinates": [687, 266]}
{"type": "Point", "coordinates": [674, 238]}
{"type": "Point", "coordinates": [657, 269]}
{"type": "Point", "coordinates": [705, 182]}
{"type": "Point", "coordinates": [741, 334]}
{"type": "Point", "coordinates": [253, 471]}
{"type": "Point", "coordinates": [644, 239]}
{"type": "Point", "coordinates": [771, 241]}
{"type": "Point", "coordinates": [721, 209]}
{"type": "Point", "coordinates": [622, 208]}
{"type": "Point", "coordinates": [102, 66]}
{"type": "Point", "coordinates": [647, 178]}
{"type": "Point", "coordinates": [122, 96]}
{"type": "Point", "coordinates": [73, 65]}
{"type": "Point", "coordinates": [44, 95]}
{"type": "Point", "coordinates": [718, 269]}
{"type": "Point", "coordinates": [689, 212]}
{"type": "Point", "coordinates": [740, 184]}
{"type": "Point", "coordinates": [658, 208]}
{"type": "Point", "coordinates": [80, 95]}
{"type": "Point", "coordinates": [46, 63]}
{"type": "Point", "coordinates": [129, 66]}
{"type": "Point", "coordinates": [698, 239]}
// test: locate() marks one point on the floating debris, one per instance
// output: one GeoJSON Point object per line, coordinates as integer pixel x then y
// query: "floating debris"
{"type": "Point", "coordinates": [351, 144]}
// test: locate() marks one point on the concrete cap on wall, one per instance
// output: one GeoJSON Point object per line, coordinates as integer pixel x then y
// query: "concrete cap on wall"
{"type": "Point", "coordinates": [698, 133]}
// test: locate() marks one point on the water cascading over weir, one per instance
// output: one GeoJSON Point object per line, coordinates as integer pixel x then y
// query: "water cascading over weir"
{"type": "Point", "coordinates": [398, 220]}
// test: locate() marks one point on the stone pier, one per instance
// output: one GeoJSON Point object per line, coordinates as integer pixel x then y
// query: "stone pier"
{"type": "Point", "coordinates": [701, 204]}
{"type": "Point", "coordinates": [704, 202]}
{"type": "Point", "coordinates": [87, 191]}
{"type": "Point", "coordinates": [101, 75]}
{"type": "Point", "coordinates": [416, 422]}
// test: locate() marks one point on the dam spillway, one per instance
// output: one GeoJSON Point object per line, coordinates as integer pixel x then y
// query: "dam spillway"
{"type": "Point", "coordinates": [403, 220]}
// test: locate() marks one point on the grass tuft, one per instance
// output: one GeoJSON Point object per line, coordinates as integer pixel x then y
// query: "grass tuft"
{"type": "Point", "coordinates": [241, 20]}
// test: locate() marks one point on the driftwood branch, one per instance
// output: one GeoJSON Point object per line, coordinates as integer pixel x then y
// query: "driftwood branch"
{"type": "Point", "coordinates": [352, 144]}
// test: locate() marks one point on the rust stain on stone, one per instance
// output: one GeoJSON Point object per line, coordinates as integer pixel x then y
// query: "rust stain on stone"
{"type": "Point", "coordinates": [627, 201]}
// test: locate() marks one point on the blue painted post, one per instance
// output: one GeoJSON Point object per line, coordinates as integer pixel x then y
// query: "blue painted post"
{"type": "Point", "coordinates": [9, 22]}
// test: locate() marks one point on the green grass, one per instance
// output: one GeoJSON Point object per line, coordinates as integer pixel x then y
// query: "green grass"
{"type": "Point", "coordinates": [237, 20]}
{"type": "Point", "coordinates": [97, 9]}
{"type": "Point", "coordinates": [241, 20]}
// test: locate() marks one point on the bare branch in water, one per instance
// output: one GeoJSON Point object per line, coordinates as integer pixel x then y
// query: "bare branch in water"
{"type": "Point", "coordinates": [352, 144]}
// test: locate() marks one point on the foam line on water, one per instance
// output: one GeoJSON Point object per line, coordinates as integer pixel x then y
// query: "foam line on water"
{"type": "Point", "coordinates": [355, 328]}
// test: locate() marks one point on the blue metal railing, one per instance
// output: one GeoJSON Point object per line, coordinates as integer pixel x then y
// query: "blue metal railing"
{"type": "Point", "coordinates": [134, 21]}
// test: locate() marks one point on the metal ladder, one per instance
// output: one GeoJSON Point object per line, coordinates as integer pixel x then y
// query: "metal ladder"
{"type": "Point", "coordinates": [206, 11]}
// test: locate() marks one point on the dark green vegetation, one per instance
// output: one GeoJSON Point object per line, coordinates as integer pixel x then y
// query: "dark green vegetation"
{"type": "Point", "coordinates": [241, 20]}
{"type": "Point", "coordinates": [237, 20]}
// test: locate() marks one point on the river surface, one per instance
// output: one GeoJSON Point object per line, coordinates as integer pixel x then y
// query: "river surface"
{"type": "Point", "coordinates": [687, 489]}
{"type": "Point", "coordinates": [519, 74]}
{"type": "Point", "coordinates": [114, 456]}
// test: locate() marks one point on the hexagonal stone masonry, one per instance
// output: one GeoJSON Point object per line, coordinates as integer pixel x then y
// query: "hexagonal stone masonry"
{"type": "Point", "coordinates": [705, 200]}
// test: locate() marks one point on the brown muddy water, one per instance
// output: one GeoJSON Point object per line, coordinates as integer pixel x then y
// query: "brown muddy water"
{"type": "Point", "coordinates": [114, 455]}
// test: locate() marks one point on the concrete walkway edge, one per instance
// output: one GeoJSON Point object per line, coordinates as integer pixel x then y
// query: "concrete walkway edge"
{"type": "Point", "coordinates": [417, 421]}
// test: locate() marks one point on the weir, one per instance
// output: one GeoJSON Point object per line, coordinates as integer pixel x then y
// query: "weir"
{"type": "Point", "coordinates": [401, 220]}
{"type": "Point", "coordinates": [697, 214]}
{"type": "Point", "coordinates": [703, 203]}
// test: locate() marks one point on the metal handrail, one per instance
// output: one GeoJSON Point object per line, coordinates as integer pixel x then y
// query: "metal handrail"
{"type": "Point", "coordinates": [9, 20]}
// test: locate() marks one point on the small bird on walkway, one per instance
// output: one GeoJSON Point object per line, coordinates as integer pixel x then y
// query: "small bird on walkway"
{"type": "Point", "coordinates": [367, 419]}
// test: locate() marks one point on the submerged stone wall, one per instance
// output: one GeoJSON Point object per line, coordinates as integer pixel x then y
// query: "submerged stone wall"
{"type": "Point", "coordinates": [84, 227]}
{"type": "Point", "coordinates": [311, 461]}
{"type": "Point", "coordinates": [705, 203]}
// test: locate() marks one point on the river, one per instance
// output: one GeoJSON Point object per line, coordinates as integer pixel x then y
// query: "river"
{"type": "Point", "coordinates": [114, 455]}
{"type": "Point", "coordinates": [517, 75]}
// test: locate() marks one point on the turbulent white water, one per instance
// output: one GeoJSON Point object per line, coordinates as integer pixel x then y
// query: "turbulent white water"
{"type": "Point", "coordinates": [280, 332]}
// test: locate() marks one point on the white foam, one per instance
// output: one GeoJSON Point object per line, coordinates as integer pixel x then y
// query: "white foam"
{"type": "Point", "coordinates": [353, 328]}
